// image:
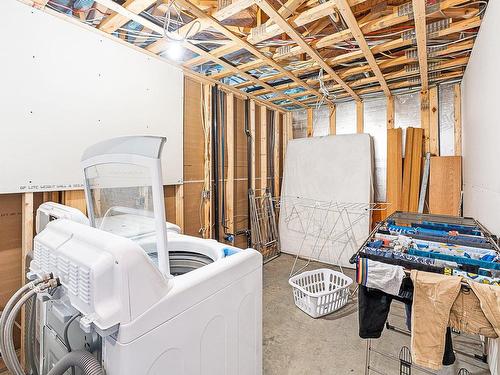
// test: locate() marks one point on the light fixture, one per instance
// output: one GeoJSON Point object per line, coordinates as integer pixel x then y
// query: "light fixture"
{"type": "Point", "coordinates": [175, 50]}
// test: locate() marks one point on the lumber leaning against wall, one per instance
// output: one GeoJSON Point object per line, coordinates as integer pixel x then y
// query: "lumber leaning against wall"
{"type": "Point", "coordinates": [403, 112]}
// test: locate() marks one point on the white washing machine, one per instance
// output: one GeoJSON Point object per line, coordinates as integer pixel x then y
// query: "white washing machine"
{"type": "Point", "coordinates": [137, 294]}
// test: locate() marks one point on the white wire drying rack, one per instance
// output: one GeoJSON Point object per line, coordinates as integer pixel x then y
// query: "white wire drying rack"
{"type": "Point", "coordinates": [322, 223]}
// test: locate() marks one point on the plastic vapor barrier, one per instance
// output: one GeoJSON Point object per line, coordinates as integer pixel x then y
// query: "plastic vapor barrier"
{"type": "Point", "coordinates": [321, 121]}
{"type": "Point", "coordinates": [446, 120]}
{"type": "Point", "coordinates": [375, 124]}
{"type": "Point", "coordinates": [299, 124]}
{"type": "Point", "coordinates": [346, 118]}
{"type": "Point", "coordinates": [407, 113]}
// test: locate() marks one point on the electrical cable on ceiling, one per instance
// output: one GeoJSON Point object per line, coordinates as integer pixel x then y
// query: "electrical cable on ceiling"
{"type": "Point", "coordinates": [480, 11]}
{"type": "Point", "coordinates": [453, 41]}
{"type": "Point", "coordinates": [175, 36]}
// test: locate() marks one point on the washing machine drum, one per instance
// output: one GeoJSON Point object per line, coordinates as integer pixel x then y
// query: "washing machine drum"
{"type": "Point", "coordinates": [182, 262]}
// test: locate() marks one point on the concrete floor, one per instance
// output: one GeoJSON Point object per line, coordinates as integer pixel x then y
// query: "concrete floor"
{"type": "Point", "coordinates": [296, 344]}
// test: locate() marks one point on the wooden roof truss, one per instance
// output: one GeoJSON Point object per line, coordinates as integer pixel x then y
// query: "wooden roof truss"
{"type": "Point", "coordinates": [297, 53]}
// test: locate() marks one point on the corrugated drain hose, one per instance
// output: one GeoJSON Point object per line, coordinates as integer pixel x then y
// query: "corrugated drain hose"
{"type": "Point", "coordinates": [81, 359]}
{"type": "Point", "coordinates": [31, 356]}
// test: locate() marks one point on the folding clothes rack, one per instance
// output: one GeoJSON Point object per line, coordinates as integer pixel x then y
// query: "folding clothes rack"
{"type": "Point", "coordinates": [324, 222]}
{"type": "Point", "coordinates": [264, 229]}
{"type": "Point", "coordinates": [406, 367]}
{"type": "Point", "coordinates": [478, 236]}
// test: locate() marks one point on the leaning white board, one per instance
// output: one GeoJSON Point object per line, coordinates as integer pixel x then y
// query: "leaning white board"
{"type": "Point", "coordinates": [319, 170]}
{"type": "Point", "coordinates": [64, 88]}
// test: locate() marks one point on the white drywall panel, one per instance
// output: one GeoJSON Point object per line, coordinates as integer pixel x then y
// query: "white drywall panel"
{"type": "Point", "coordinates": [481, 132]}
{"type": "Point", "coordinates": [481, 135]}
{"type": "Point", "coordinates": [65, 88]}
{"type": "Point", "coordinates": [324, 169]}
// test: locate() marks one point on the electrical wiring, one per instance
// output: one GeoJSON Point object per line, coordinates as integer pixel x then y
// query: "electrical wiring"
{"type": "Point", "coordinates": [166, 25]}
{"type": "Point", "coordinates": [138, 32]}
{"type": "Point", "coordinates": [285, 7]}
{"type": "Point", "coordinates": [55, 4]}
{"type": "Point", "coordinates": [387, 55]}
{"type": "Point", "coordinates": [480, 11]}
{"type": "Point", "coordinates": [368, 36]}
{"type": "Point", "coordinates": [453, 41]}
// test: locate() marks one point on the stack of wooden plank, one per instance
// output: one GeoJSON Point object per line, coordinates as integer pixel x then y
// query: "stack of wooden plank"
{"type": "Point", "coordinates": [394, 170]}
{"type": "Point", "coordinates": [404, 178]}
{"type": "Point", "coordinates": [412, 169]}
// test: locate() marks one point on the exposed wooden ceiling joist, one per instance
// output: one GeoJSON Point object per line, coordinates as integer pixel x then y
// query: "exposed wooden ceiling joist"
{"type": "Point", "coordinates": [117, 20]}
{"type": "Point", "coordinates": [150, 25]}
{"type": "Point", "coordinates": [221, 15]}
{"type": "Point", "coordinates": [455, 27]}
{"type": "Point", "coordinates": [349, 18]}
{"type": "Point", "coordinates": [390, 39]}
{"type": "Point", "coordinates": [281, 22]}
{"type": "Point", "coordinates": [193, 9]}
{"type": "Point", "coordinates": [421, 34]}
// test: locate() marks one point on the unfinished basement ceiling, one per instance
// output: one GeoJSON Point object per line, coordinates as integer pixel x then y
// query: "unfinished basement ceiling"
{"type": "Point", "coordinates": [300, 53]}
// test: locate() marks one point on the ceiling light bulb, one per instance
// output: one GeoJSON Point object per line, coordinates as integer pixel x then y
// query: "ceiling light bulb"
{"type": "Point", "coordinates": [175, 50]}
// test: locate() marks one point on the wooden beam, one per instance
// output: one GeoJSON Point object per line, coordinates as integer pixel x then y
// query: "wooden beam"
{"type": "Point", "coordinates": [443, 65]}
{"type": "Point", "coordinates": [402, 84]}
{"type": "Point", "coordinates": [222, 14]}
{"type": "Point", "coordinates": [333, 120]}
{"type": "Point", "coordinates": [295, 35]}
{"type": "Point", "coordinates": [307, 16]}
{"type": "Point", "coordinates": [352, 23]}
{"type": "Point", "coordinates": [75, 199]}
{"type": "Point", "coordinates": [433, 121]}
{"type": "Point", "coordinates": [287, 132]}
{"type": "Point", "coordinates": [390, 20]}
{"type": "Point", "coordinates": [421, 33]}
{"type": "Point", "coordinates": [26, 246]}
{"type": "Point", "coordinates": [252, 115]}
{"type": "Point", "coordinates": [457, 101]}
{"type": "Point", "coordinates": [197, 12]}
{"type": "Point", "coordinates": [360, 125]}
{"type": "Point", "coordinates": [416, 166]}
{"type": "Point", "coordinates": [179, 206]}
{"type": "Point", "coordinates": [394, 169]}
{"type": "Point", "coordinates": [186, 44]}
{"type": "Point", "coordinates": [425, 119]}
{"type": "Point", "coordinates": [276, 155]}
{"type": "Point", "coordinates": [230, 164]}
{"type": "Point", "coordinates": [117, 20]}
{"type": "Point", "coordinates": [405, 197]}
{"type": "Point", "coordinates": [263, 149]}
{"type": "Point", "coordinates": [40, 4]}
{"type": "Point", "coordinates": [310, 122]}
{"type": "Point", "coordinates": [219, 52]}
{"type": "Point", "coordinates": [398, 43]}
{"type": "Point", "coordinates": [390, 112]}
{"type": "Point", "coordinates": [206, 198]}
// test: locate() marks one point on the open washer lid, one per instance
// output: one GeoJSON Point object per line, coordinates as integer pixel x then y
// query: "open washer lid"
{"type": "Point", "coordinates": [124, 191]}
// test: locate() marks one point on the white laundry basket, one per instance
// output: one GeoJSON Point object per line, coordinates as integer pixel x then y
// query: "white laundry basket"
{"type": "Point", "coordinates": [320, 292]}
